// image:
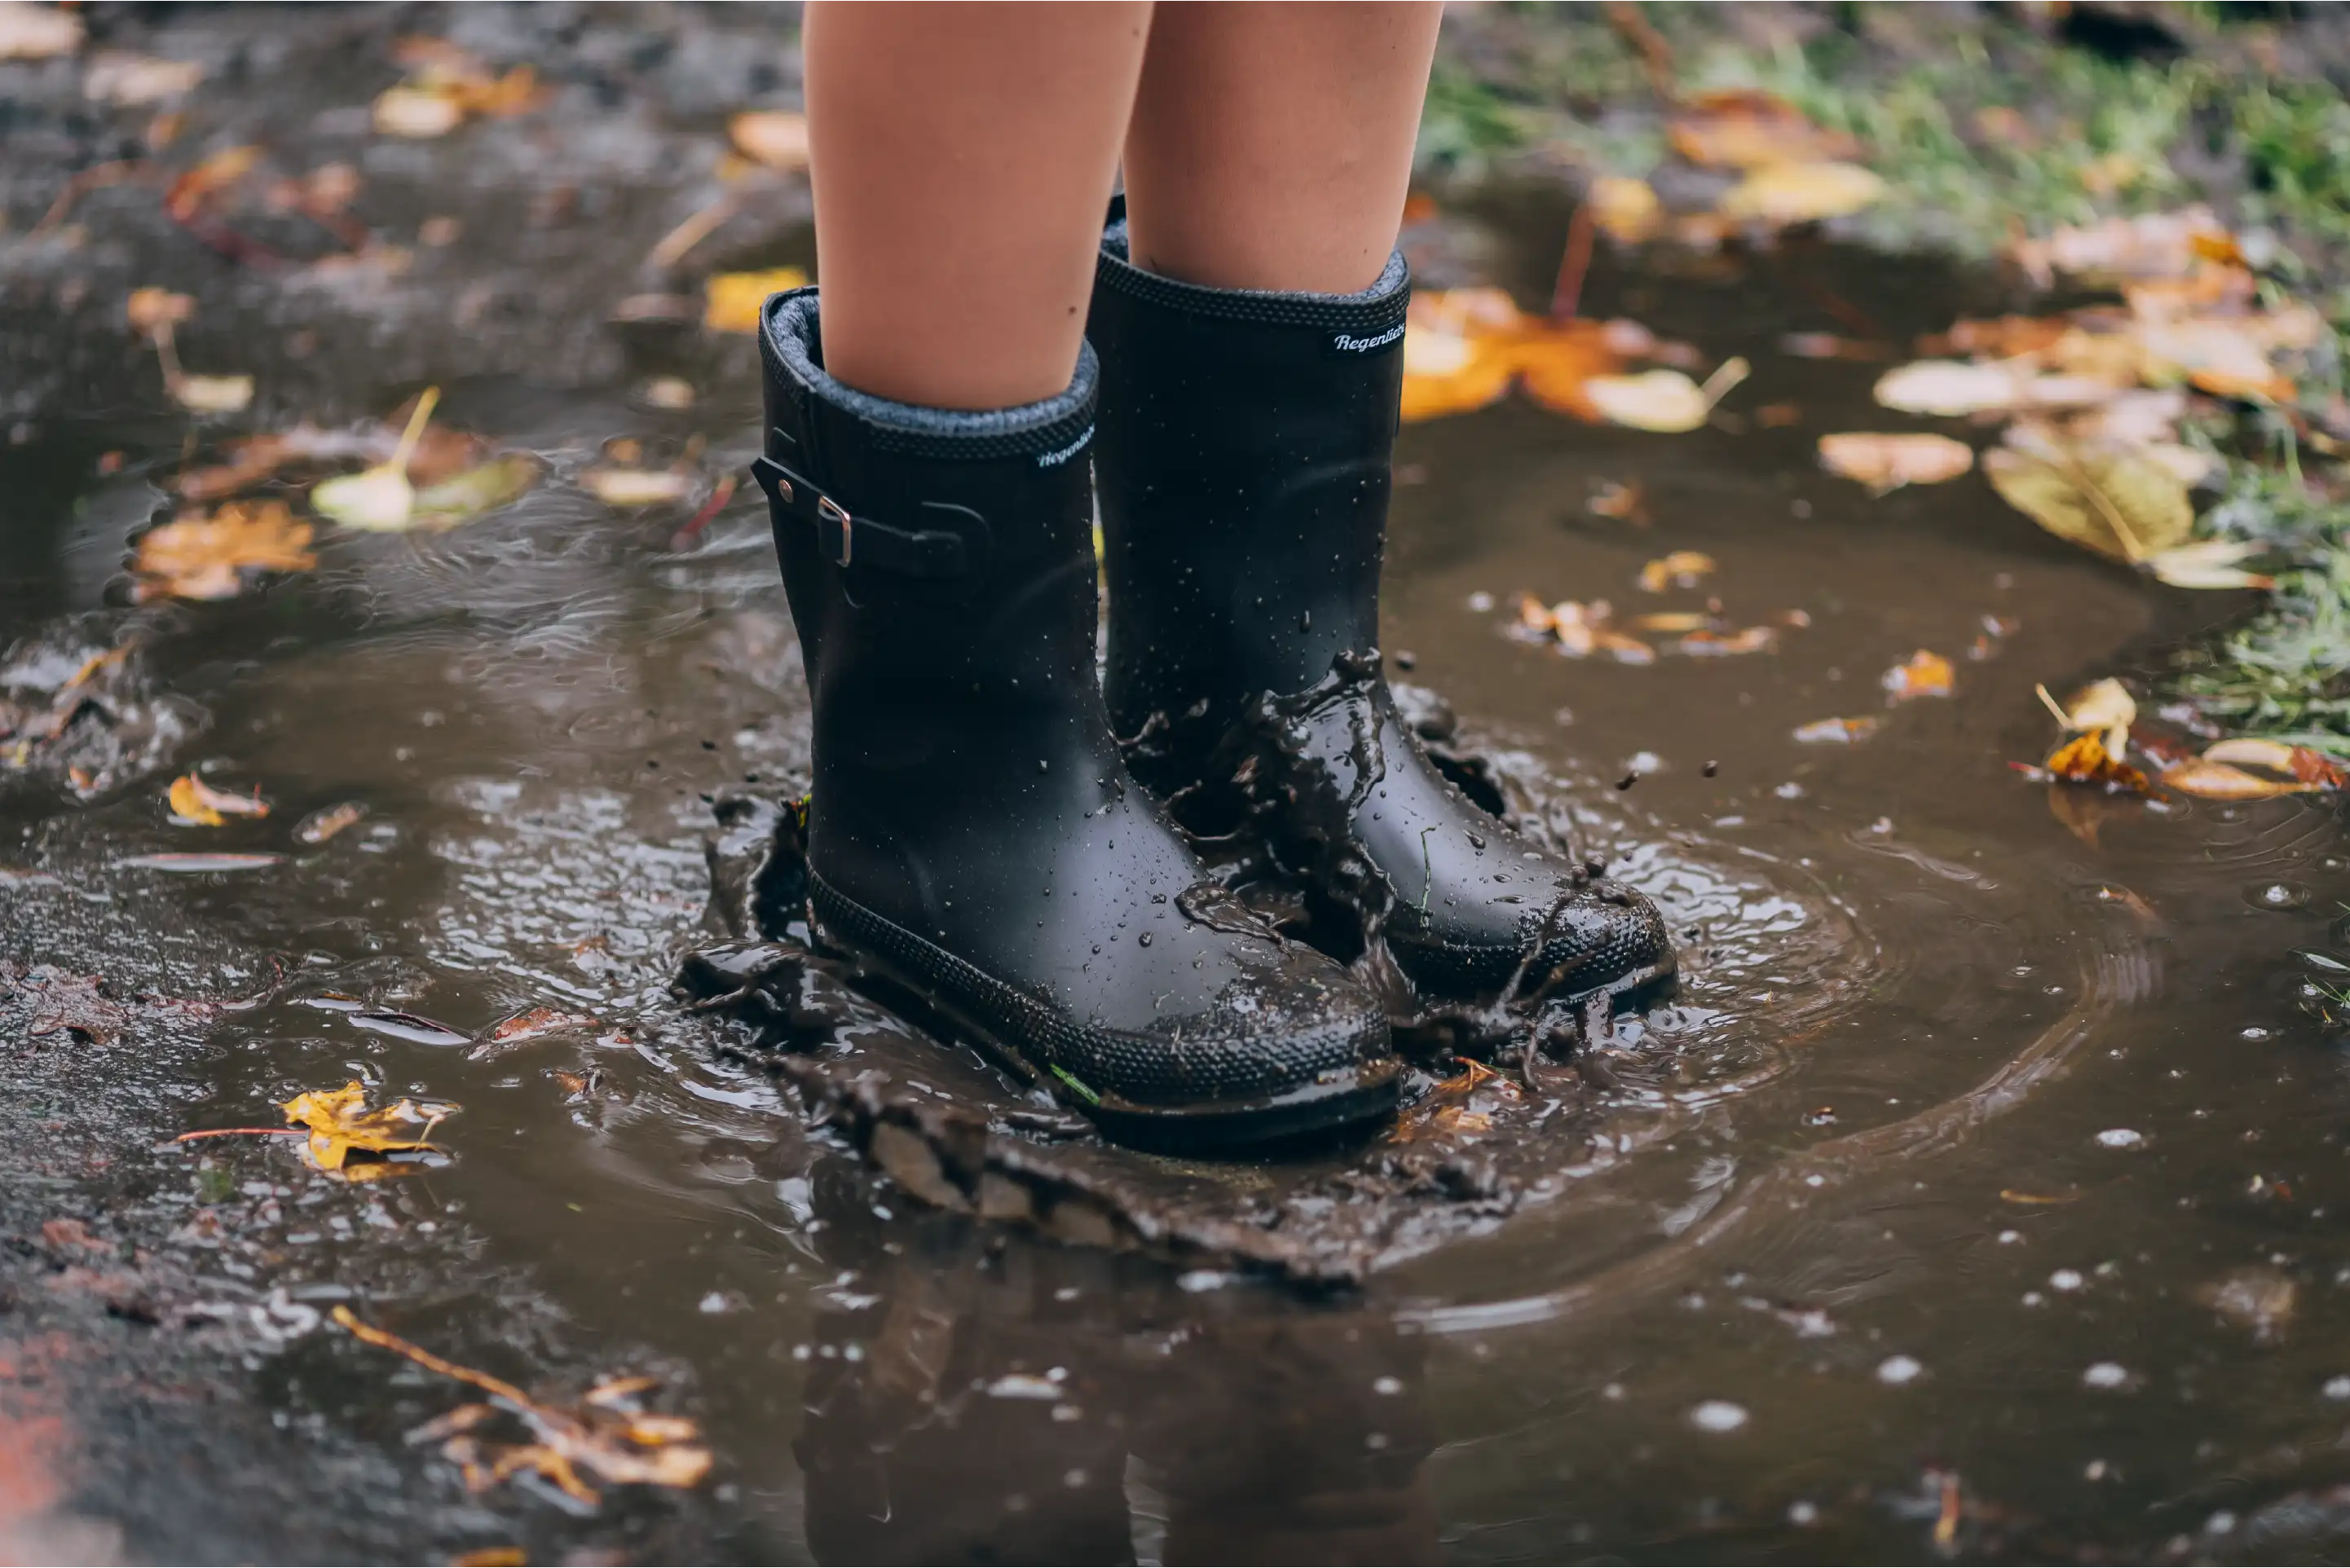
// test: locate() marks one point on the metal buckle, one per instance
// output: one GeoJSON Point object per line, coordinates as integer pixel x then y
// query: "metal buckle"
{"type": "Point", "coordinates": [827, 509]}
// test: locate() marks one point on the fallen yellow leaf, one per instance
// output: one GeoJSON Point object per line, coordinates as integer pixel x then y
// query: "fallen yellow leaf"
{"type": "Point", "coordinates": [732, 300]}
{"type": "Point", "coordinates": [1784, 193]}
{"type": "Point", "coordinates": [204, 557]}
{"type": "Point", "coordinates": [340, 1123]}
{"type": "Point", "coordinates": [418, 113]}
{"type": "Point", "coordinates": [1922, 674]}
{"type": "Point", "coordinates": [1885, 463]}
{"type": "Point", "coordinates": [379, 499]}
{"type": "Point", "coordinates": [632, 487]}
{"type": "Point", "coordinates": [2084, 760]}
{"type": "Point", "coordinates": [151, 310]}
{"type": "Point", "coordinates": [2209, 779]}
{"type": "Point", "coordinates": [2115, 501]}
{"type": "Point", "coordinates": [211, 394]}
{"type": "Point", "coordinates": [1680, 569]}
{"type": "Point", "coordinates": [2209, 564]}
{"type": "Point", "coordinates": [1664, 401]}
{"type": "Point", "coordinates": [1627, 209]}
{"type": "Point", "coordinates": [2105, 708]}
{"type": "Point", "coordinates": [195, 803]}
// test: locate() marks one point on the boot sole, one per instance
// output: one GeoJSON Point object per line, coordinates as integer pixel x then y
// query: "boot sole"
{"type": "Point", "coordinates": [1336, 1101]}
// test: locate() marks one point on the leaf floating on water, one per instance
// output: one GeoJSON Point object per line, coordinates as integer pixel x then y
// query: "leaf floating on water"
{"type": "Point", "coordinates": [321, 825]}
{"type": "Point", "coordinates": [201, 557]}
{"type": "Point", "coordinates": [417, 113]}
{"type": "Point", "coordinates": [1923, 674]}
{"type": "Point", "coordinates": [197, 865]}
{"type": "Point", "coordinates": [632, 487]}
{"type": "Point", "coordinates": [195, 803]}
{"type": "Point", "coordinates": [378, 499]}
{"type": "Point", "coordinates": [529, 1024]}
{"type": "Point", "coordinates": [1837, 731]}
{"type": "Point", "coordinates": [1680, 569]}
{"type": "Point", "coordinates": [1885, 463]}
{"type": "Point", "coordinates": [609, 1435]}
{"type": "Point", "coordinates": [153, 310]}
{"type": "Point", "coordinates": [2310, 767]}
{"type": "Point", "coordinates": [122, 77]}
{"type": "Point", "coordinates": [1753, 640]}
{"type": "Point", "coordinates": [340, 1125]}
{"type": "Point", "coordinates": [1460, 353]}
{"type": "Point", "coordinates": [410, 1026]}
{"type": "Point", "coordinates": [30, 32]}
{"type": "Point", "coordinates": [1555, 362]}
{"type": "Point", "coordinates": [211, 394]}
{"type": "Point", "coordinates": [476, 492]}
{"type": "Point", "coordinates": [1786, 193]}
{"type": "Point", "coordinates": [732, 300]}
{"type": "Point", "coordinates": [1625, 210]}
{"type": "Point", "coordinates": [2084, 760]}
{"type": "Point", "coordinates": [2209, 564]}
{"type": "Point", "coordinates": [2114, 503]}
{"type": "Point", "coordinates": [2209, 779]}
{"type": "Point", "coordinates": [2106, 707]}
{"type": "Point", "coordinates": [1666, 402]}
{"type": "Point", "coordinates": [773, 137]}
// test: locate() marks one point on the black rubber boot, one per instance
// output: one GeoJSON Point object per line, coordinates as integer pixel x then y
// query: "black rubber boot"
{"type": "Point", "coordinates": [972, 833]}
{"type": "Point", "coordinates": [1243, 465]}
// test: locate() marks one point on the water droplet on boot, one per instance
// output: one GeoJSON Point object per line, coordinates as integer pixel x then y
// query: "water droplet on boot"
{"type": "Point", "coordinates": [1144, 940]}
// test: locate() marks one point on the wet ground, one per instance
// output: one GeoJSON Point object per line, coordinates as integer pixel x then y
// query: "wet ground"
{"type": "Point", "coordinates": [1972, 1198]}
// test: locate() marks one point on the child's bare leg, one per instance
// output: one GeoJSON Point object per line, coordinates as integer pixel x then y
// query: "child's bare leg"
{"type": "Point", "coordinates": [1271, 142]}
{"type": "Point", "coordinates": [963, 157]}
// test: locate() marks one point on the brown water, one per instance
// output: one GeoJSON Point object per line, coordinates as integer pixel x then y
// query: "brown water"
{"type": "Point", "coordinates": [1899, 1232]}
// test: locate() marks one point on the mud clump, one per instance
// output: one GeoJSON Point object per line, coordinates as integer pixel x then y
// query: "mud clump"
{"type": "Point", "coordinates": [78, 712]}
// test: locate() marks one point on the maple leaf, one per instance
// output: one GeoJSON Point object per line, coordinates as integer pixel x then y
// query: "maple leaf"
{"type": "Point", "coordinates": [340, 1125]}
{"type": "Point", "coordinates": [206, 556]}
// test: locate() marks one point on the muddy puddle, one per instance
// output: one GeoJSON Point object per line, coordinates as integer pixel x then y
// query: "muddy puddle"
{"type": "Point", "coordinates": [1971, 1196]}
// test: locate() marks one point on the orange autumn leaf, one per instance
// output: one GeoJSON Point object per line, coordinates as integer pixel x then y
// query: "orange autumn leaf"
{"type": "Point", "coordinates": [732, 300]}
{"type": "Point", "coordinates": [1743, 129]}
{"type": "Point", "coordinates": [195, 803]}
{"type": "Point", "coordinates": [1459, 351]}
{"type": "Point", "coordinates": [2209, 779]}
{"type": "Point", "coordinates": [340, 1123]}
{"type": "Point", "coordinates": [2084, 760]}
{"type": "Point", "coordinates": [1885, 463]}
{"type": "Point", "coordinates": [205, 557]}
{"type": "Point", "coordinates": [1679, 569]}
{"type": "Point", "coordinates": [1923, 674]}
{"type": "Point", "coordinates": [1557, 361]}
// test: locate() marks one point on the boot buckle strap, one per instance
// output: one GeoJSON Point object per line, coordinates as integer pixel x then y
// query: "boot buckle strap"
{"type": "Point", "coordinates": [836, 531]}
{"type": "Point", "coordinates": [846, 538]}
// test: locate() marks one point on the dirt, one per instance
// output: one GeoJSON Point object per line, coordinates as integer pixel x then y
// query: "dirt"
{"type": "Point", "coordinates": [1971, 1196]}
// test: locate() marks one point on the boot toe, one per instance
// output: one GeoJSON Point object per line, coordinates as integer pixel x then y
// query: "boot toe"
{"type": "Point", "coordinates": [1293, 1033]}
{"type": "Point", "coordinates": [1604, 937]}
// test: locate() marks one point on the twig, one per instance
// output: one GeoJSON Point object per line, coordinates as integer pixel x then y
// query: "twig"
{"type": "Point", "coordinates": [95, 177]}
{"type": "Point", "coordinates": [698, 226]}
{"type": "Point", "coordinates": [1573, 264]}
{"type": "Point", "coordinates": [720, 494]}
{"type": "Point", "coordinates": [243, 1132]}
{"type": "Point", "coordinates": [1656, 54]}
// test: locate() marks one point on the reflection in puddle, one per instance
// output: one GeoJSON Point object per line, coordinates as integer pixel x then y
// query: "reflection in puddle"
{"type": "Point", "coordinates": [1865, 1135]}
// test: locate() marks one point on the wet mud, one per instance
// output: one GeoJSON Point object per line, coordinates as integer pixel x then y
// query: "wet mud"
{"type": "Point", "coordinates": [1975, 1194]}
